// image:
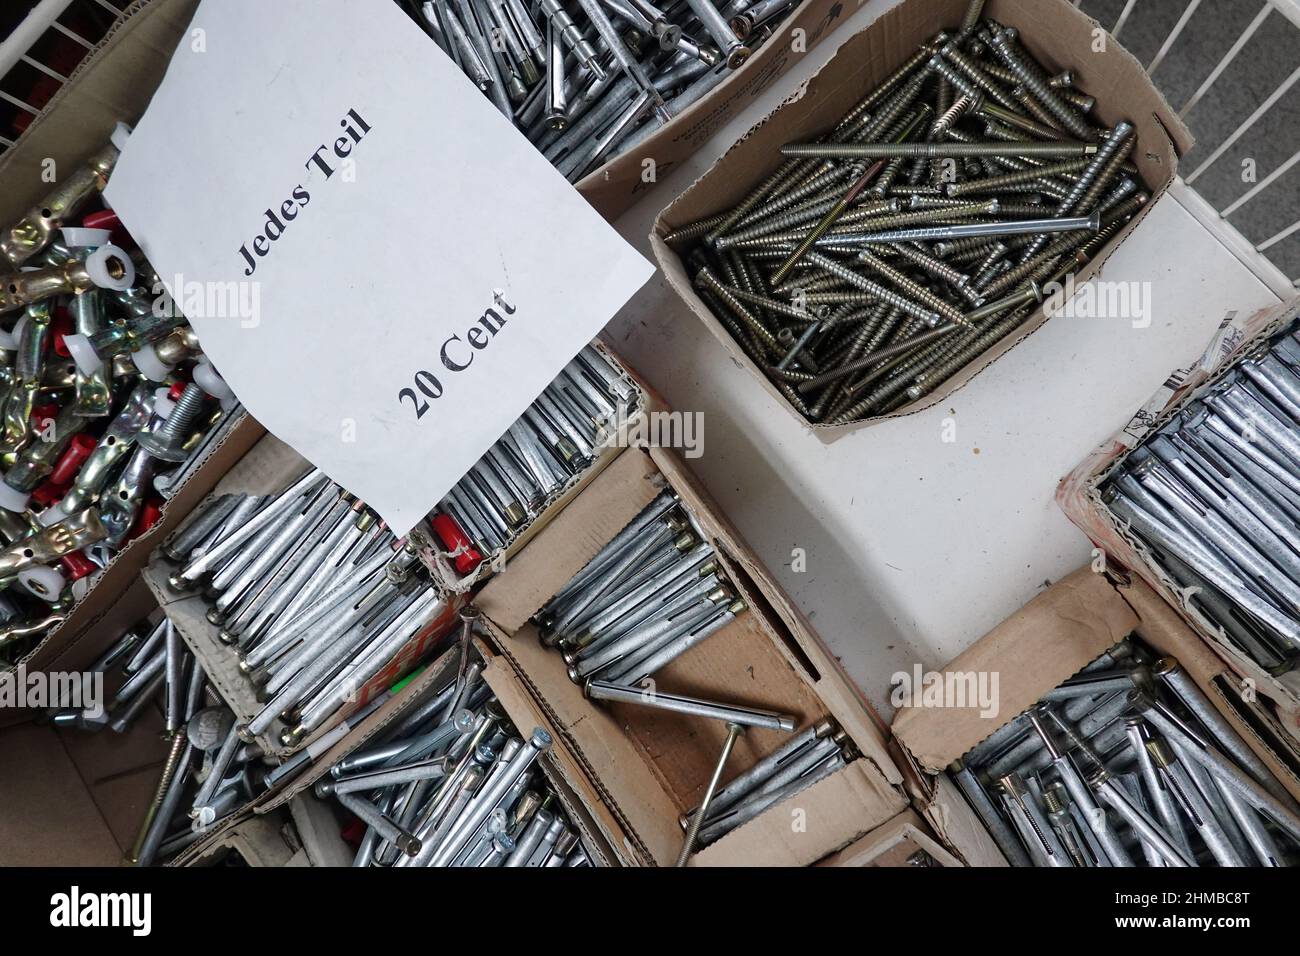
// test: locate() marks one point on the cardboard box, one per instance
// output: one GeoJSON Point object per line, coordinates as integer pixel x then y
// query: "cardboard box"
{"type": "Point", "coordinates": [903, 841]}
{"type": "Point", "coordinates": [1057, 34]}
{"type": "Point", "coordinates": [72, 797]}
{"type": "Point", "coordinates": [648, 404]}
{"type": "Point", "coordinates": [269, 467]}
{"type": "Point", "coordinates": [1048, 640]}
{"type": "Point", "coordinates": [114, 82]}
{"type": "Point", "coordinates": [1079, 497]}
{"type": "Point", "coordinates": [638, 770]}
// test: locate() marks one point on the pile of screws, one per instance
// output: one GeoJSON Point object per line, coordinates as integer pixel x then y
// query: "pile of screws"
{"type": "Point", "coordinates": [875, 263]}
{"type": "Point", "coordinates": [1128, 764]}
{"type": "Point", "coordinates": [651, 594]}
{"type": "Point", "coordinates": [584, 90]}
{"type": "Point", "coordinates": [1214, 495]}
{"type": "Point", "coordinates": [554, 441]}
{"type": "Point", "coordinates": [203, 780]}
{"type": "Point", "coordinates": [455, 784]}
{"type": "Point", "coordinates": [316, 594]}
{"type": "Point", "coordinates": [97, 425]}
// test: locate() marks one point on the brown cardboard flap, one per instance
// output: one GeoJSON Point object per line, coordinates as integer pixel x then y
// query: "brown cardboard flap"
{"type": "Point", "coordinates": [1051, 638]}
{"type": "Point", "coordinates": [786, 624]}
{"type": "Point", "coordinates": [559, 550]}
{"type": "Point", "coordinates": [1077, 494]}
{"type": "Point", "coordinates": [833, 812]}
{"type": "Point", "coordinates": [895, 843]}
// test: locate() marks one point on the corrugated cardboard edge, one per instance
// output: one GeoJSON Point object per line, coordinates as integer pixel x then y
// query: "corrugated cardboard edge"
{"type": "Point", "coordinates": [934, 745]}
{"type": "Point", "coordinates": [602, 835]}
{"type": "Point", "coordinates": [1162, 138]}
{"type": "Point", "coordinates": [1049, 639]}
{"type": "Point", "coordinates": [622, 492]}
{"type": "Point", "coordinates": [892, 844]}
{"type": "Point", "coordinates": [1078, 496]}
{"type": "Point", "coordinates": [828, 815]}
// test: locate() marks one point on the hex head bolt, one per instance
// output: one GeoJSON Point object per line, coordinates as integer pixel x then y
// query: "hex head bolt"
{"type": "Point", "coordinates": [168, 442]}
{"type": "Point", "coordinates": [734, 730]}
{"type": "Point", "coordinates": [477, 811]}
{"type": "Point", "coordinates": [660, 631]}
{"type": "Point", "coordinates": [1029, 820]}
{"type": "Point", "coordinates": [526, 844]}
{"type": "Point", "coordinates": [639, 665]}
{"type": "Point", "coordinates": [256, 523]}
{"type": "Point", "coordinates": [993, 821]}
{"type": "Point", "coordinates": [1162, 797]}
{"type": "Point", "coordinates": [220, 764]}
{"type": "Point", "coordinates": [179, 547]}
{"type": "Point", "coordinates": [728, 713]}
{"type": "Point", "coordinates": [1150, 833]}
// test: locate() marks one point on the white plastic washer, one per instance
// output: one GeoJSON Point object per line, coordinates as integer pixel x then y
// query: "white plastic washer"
{"type": "Point", "coordinates": [209, 379]}
{"type": "Point", "coordinates": [162, 403]}
{"type": "Point", "coordinates": [121, 133]}
{"type": "Point", "coordinates": [97, 268]}
{"type": "Point", "coordinates": [11, 499]}
{"type": "Point", "coordinates": [148, 364]}
{"type": "Point", "coordinates": [81, 236]}
{"type": "Point", "coordinates": [83, 353]}
{"type": "Point", "coordinates": [45, 583]}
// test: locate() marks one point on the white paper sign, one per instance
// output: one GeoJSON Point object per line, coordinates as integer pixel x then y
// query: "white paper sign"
{"type": "Point", "coordinates": [384, 270]}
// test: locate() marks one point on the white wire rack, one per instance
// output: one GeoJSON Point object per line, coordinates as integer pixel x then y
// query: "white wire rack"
{"type": "Point", "coordinates": [1253, 254]}
{"type": "Point", "coordinates": [18, 47]}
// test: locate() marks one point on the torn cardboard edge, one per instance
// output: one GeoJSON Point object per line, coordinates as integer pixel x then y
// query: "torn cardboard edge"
{"type": "Point", "coordinates": [1078, 493]}
{"type": "Point", "coordinates": [895, 843]}
{"type": "Point", "coordinates": [1052, 30]}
